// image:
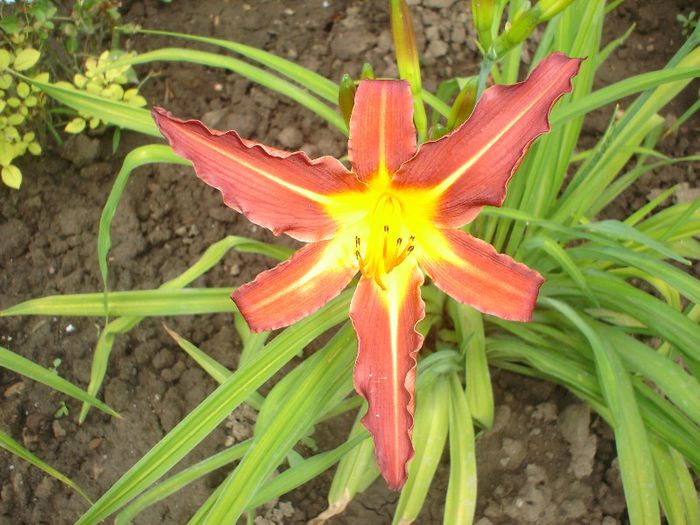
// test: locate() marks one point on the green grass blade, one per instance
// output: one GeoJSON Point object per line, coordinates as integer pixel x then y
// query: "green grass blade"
{"type": "Point", "coordinates": [620, 90]}
{"type": "Point", "coordinates": [688, 248]}
{"type": "Point", "coordinates": [460, 502]}
{"type": "Point", "coordinates": [200, 517]}
{"type": "Point", "coordinates": [633, 449]}
{"type": "Point", "coordinates": [356, 471]}
{"type": "Point", "coordinates": [650, 206]}
{"type": "Point", "coordinates": [287, 481]}
{"type": "Point", "coordinates": [558, 254]}
{"type": "Point", "coordinates": [623, 232]}
{"type": "Point", "coordinates": [253, 73]}
{"type": "Point", "coordinates": [433, 366]}
{"type": "Point", "coordinates": [664, 419]}
{"type": "Point", "coordinates": [211, 366]}
{"type": "Point", "coordinates": [150, 154]}
{"type": "Point", "coordinates": [306, 470]}
{"type": "Point", "coordinates": [139, 303]}
{"type": "Point", "coordinates": [639, 120]}
{"type": "Point", "coordinates": [611, 47]}
{"type": "Point", "coordinates": [680, 387]}
{"type": "Point", "coordinates": [110, 111]}
{"type": "Point", "coordinates": [435, 103]}
{"type": "Point", "coordinates": [278, 398]}
{"type": "Point", "coordinates": [329, 377]}
{"type": "Point", "coordinates": [469, 325]}
{"type": "Point", "coordinates": [214, 409]}
{"type": "Point", "coordinates": [27, 368]}
{"type": "Point", "coordinates": [311, 80]}
{"type": "Point", "coordinates": [678, 279]}
{"type": "Point", "coordinates": [180, 480]}
{"type": "Point", "coordinates": [209, 259]}
{"type": "Point", "coordinates": [350, 403]}
{"type": "Point", "coordinates": [676, 489]}
{"type": "Point", "coordinates": [429, 435]}
{"type": "Point", "coordinates": [687, 114]}
{"type": "Point", "coordinates": [625, 181]}
{"type": "Point", "coordinates": [252, 345]}
{"type": "Point", "coordinates": [669, 423]}
{"type": "Point", "coordinates": [617, 295]}
{"type": "Point", "coordinates": [18, 450]}
{"type": "Point", "coordinates": [615, 149]}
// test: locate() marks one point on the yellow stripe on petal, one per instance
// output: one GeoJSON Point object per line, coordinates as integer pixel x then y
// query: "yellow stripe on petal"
{"type": "Point", "coordinates": [382, 134]}
{"type": "Point", "coordinates": [385, 322]}
{"type": "Point", "coordinates": [297, 287]}
{"type": "Point", "coordinates": [471, 271]}
{"type": "Point", "coordinates": [471, 166]}
{"type": "Point", "coordinates": [285, 192]}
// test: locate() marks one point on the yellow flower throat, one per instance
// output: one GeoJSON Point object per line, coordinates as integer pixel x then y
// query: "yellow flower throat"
{"type": "Point", "coordinates": [387, 244]}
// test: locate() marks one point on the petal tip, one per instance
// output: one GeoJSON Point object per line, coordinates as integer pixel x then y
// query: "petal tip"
{"type": "Point", "coordinates": [240, 305]}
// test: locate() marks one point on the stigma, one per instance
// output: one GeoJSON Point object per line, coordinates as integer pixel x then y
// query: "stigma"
{"type": "Point", "coordinates": [387, 245]}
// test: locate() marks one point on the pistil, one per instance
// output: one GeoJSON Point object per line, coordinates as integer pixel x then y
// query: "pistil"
{"type": "Point", "coordinates": [393, 254]}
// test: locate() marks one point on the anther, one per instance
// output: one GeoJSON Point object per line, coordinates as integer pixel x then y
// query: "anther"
{"type": "Point", "coordinates": [357, 241]}
{"type": "Point", "coordinates": [411, 238]}
{"type": "Point", "coordinates": [399, 241]}
{"type": "Point", "coordinates": [357, 254]}
{"type": "Point", "coordinates": [410, 249]}
{"type": "Point", "coordinates": [386, 228]}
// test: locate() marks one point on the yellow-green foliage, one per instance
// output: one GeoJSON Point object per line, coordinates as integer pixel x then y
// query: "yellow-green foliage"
{"type": "Point", "coordinates": [19, 104]}
{"type": "Point", "coordinates": [25, 28]}
{"type": "Point", "coordinates": [109, 82]}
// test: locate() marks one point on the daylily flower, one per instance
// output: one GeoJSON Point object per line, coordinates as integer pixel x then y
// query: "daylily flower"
{"type": "Point", "coordinates": [393, 216]}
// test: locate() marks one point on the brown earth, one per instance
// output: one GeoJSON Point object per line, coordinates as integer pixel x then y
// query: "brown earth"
{"type": "Point", "coordinates": [548, 460]}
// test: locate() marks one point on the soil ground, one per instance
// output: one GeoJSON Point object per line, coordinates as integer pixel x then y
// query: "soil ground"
{"type": "Point", "coordinates": [548, 459]}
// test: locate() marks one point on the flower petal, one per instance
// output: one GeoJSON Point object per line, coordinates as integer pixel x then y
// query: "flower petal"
{"type": "Point", "coordinates": [385, 370]}
{"type": "Point", "coordinates": [285, 192]}
{"type": "Point", "coordinates": [472, 166]}
{"type": "Point", "coordinates": [471, 271]}
{"type": "Point", "coordinates": [295, 288]}
{"type": "Point", "coordinates": [382, 134]}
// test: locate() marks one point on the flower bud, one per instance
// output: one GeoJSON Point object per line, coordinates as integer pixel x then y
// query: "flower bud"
{"type": "Point", "coordinates": [550, 8]}
{"type": "Point", "coordinates": [346, 97]}
{"type": "Point", "coordinates": [483, 12]}
{"type": "Point", "coordinates": [407, 60]}
{"type": "Point", "coordinates": [367, 72]}
{"type": "Point", "coordinates": [517, 31]}
{"type": "Point", "coordinates": [463, 105]}
{"type": "Point", "coordinates": [525, 23]}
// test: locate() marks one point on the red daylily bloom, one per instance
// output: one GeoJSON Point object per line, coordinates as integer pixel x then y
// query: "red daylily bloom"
{"type": "Point", "coordinates": [392, 217]}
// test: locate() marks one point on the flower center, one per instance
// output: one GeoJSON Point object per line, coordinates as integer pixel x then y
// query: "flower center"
{"type": "Point", "coordinates": [387, 244]}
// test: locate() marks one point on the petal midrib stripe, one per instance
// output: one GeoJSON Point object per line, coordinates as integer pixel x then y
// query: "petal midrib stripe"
{"type": "Point", "coordinates": [311, 195]}
{"type": "Point", "coordinates": [395, 300]}
{"type": "Point", "coordinates": [452, 178]}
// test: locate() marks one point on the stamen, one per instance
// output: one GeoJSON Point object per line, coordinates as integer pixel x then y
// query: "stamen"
{"type": "Point", "coordinates": [383, 249]}
{"type": "Point", "coordinates": [378, 280]}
